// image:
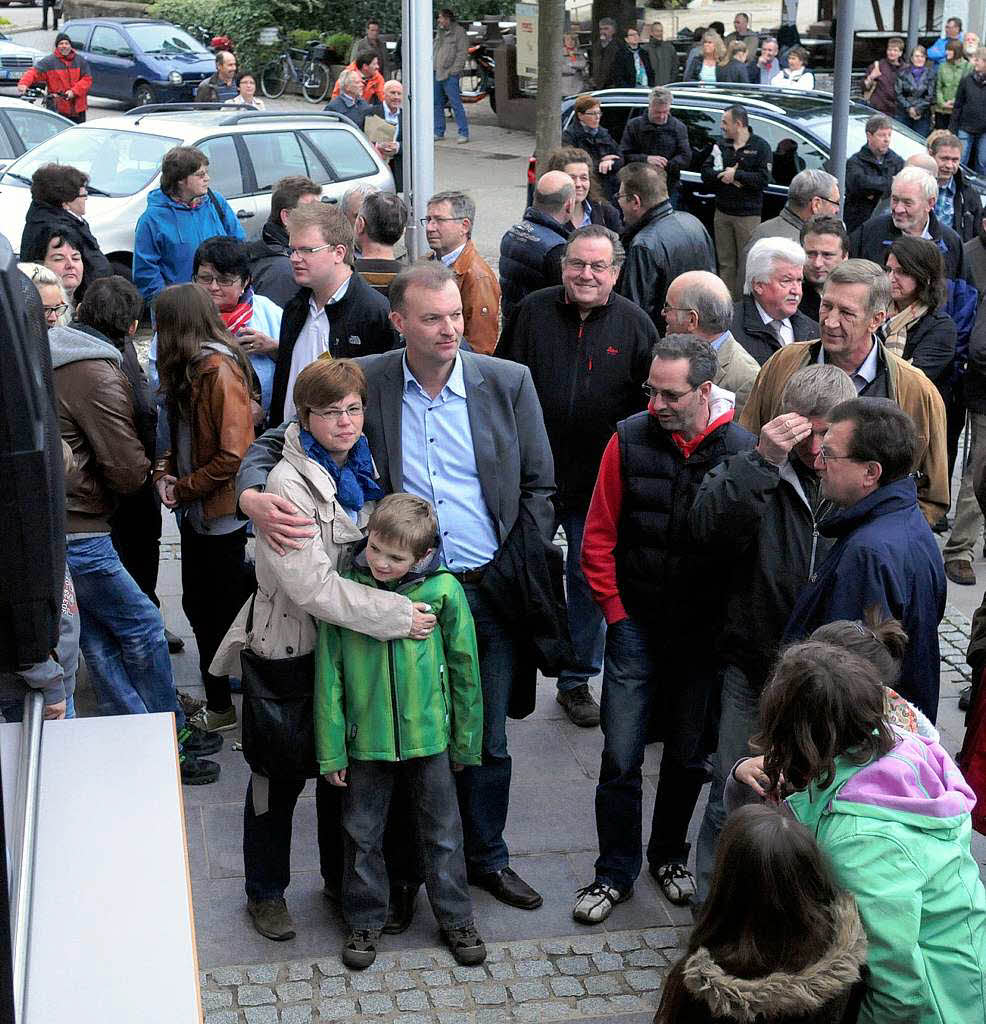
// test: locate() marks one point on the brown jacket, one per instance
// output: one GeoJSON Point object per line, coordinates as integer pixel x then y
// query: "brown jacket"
{"type": "Point", "coordinates": [222, 430]}
{"type": "Point", "coordinates": [480, 291]}
{"type": "Point", "coordinates": [737, 372]}
{"type": "Point", "coordinates": [908, 387]}
{"type": "Point", "coordinates": [96, 421]}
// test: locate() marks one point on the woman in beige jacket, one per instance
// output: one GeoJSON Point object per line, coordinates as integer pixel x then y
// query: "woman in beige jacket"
{"type": "Point", "coordinates": [326, 472]}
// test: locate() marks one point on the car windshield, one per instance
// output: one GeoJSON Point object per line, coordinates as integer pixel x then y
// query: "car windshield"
{"type": "Point", "coordinates": [166, 39]}
{"type": "Point", "coordinates": [118, 163]}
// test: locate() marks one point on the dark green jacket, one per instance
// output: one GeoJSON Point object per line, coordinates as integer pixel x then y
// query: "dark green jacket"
{"type": "Point", "coordinates": [399, 699]}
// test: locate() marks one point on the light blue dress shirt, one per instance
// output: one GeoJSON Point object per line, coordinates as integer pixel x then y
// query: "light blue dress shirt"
{"type": "Point", "coordinates": [440, 466]}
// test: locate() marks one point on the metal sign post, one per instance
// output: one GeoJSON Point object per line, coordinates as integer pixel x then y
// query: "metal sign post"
{"type": "Point", "coordinates": [840, 91]}
{"type": "Point", "coordinates": [419, 120]}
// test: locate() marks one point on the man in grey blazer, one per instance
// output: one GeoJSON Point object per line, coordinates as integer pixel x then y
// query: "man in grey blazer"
{"type": "Point", "coordinates": [465, 432]}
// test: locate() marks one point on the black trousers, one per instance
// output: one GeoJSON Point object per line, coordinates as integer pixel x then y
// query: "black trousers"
{"type": "Point", "coordinates": [136, 534]}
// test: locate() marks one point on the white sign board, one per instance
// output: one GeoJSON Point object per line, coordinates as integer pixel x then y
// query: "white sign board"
{"type": "Point", "coordinates": [527, 40]}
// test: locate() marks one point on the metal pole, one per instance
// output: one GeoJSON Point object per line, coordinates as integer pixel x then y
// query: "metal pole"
{"type": "Point", "coordinates": [22, 849]}
{"type": "Point", "coordinates": [840, 90]}
{"type": "Point", "coordinates": [419, 148]}
{"type": "Point", "coordinates": [913, 22]}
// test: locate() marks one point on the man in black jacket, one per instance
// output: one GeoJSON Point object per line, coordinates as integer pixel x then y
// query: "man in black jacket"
{"type": "Point", "coordinates": [611, 59]}
{"type": "Point", "coordinates": [869, 172]}
{"type": "Point", "coordinates": [958, 205]}
{"type": "Point", "coordinates": [270, 268]}
{"type": "Point", "coordinates": [658, 139]}
{"type": "Point", "coordinates": [738, 168]}
{"type": "Point", "coordinates": [334, 311]}
{"type": "Point", "coordinates": [661, 242]}
{"type": "Point", "coordinates": [767, 317]}
{"type": "Point", "coordinates": [350, 102]}
{"type": "Point", "coordinates": [757, 513]}
{"type": "Point", "coordinates": [913, 195]}
{"type": "Point", "coordinates": [588, 350]}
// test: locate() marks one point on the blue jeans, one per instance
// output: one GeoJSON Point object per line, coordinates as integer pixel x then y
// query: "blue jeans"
{"type": "Point", "coordinates": [973, 151]}
{"type": "Point", "coordinates": [739, 718]}
{"type": "Point", "coordinates": [449, 90]}
{"type": "Point", "coordinates": [122, 633]}
{"type": "Point", "coordinates": [585, 620]}
{"type": "Point", "coordinates": [484, 790]}
{"type": "Point", "coordinates": [642, 673]}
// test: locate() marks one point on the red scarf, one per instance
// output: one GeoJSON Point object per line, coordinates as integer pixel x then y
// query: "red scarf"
{"type": "Point", "coordinates": [240, 315]}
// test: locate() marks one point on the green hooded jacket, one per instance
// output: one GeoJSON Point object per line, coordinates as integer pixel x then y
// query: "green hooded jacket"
{"type": "Point", "coordinates": [897, 834]}
{"type": "Point", "coordinates": [950, 73]}
{"type": "Point", "coordinates": [394, 700]}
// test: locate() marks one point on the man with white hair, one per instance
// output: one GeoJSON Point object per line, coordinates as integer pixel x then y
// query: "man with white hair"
{"type": "Point", "coordinates": [811, 193]}
{"type": "Point", "coordinates": [913, 194]}
{"type": "Point", "coordinates": [767, 317]}
{"type": "Point", "coordinates": [350, 102]}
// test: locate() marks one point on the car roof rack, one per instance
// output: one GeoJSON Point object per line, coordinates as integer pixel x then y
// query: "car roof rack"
{"type": "Point", "coordinates": [259, 115]}
{"type": "Point", "coordinates": [174, 108]}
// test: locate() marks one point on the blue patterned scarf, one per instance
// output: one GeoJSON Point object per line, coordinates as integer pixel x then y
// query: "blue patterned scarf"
{"type": "Point", "coordinates": [354, 479]}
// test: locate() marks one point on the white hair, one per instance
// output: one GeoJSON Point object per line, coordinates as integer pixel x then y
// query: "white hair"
{"type": "Point", "coordinates": [920, 177]}
{"type": "Point", "coordinates": [43, 277]}
{"type": "Point", "coordinates": [764, 257]}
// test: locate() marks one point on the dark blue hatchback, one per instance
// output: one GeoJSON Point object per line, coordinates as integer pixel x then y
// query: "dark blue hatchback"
{"type": "Point", "coordinates": [140, 61]}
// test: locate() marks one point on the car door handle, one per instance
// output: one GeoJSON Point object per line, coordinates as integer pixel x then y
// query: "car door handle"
{"type": "Point", "coordinates": [244, 214]}
{"type": "Point", "coordinates": [329, 199]}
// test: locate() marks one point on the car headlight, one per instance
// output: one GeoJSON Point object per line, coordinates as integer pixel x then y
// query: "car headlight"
{"type": "Point", "coordinates": [175, 78]}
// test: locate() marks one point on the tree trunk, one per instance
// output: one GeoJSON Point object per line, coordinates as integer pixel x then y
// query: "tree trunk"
{"type": "Point", "coordinates": [551, 21]}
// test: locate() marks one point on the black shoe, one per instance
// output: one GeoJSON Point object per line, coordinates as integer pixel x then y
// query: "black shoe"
{"type": "Point", "coordinates": [401, 911]}
{"type": "Point", "coordinates": [579, 705]}
{"type": "Point", "coordinates": [465, 945]}
{"type": "Point", "coordinates": [196, 772]}
{"type": "Point", "coordinates": [272, 919]}
{"type": "Point", "coordinates": [175, 643]}
{"type": "Point", "coordinates": [360, 949]}
{"type": "Point", "coordinates": [965, 698]}
{"type": "Point", "coordinates": [508, 887]}
{"type": "Point", "coordinates": [196, 742]}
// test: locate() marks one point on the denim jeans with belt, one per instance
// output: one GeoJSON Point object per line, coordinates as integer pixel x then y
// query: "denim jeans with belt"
{"type": "Point", "coordinates": [450, 89]}
{"type": "Point", "coordinates": [122, 633]}
{"type": "Point", "coordinates": [641, 674]}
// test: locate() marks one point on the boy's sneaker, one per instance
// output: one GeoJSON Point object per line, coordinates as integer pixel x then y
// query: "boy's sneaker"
{"type": "Point", "coordinates": [196, 742]}
{"type": "Point", "coordinates": [360, 949]}
{"type": "Point", "coordinates": [676, 882]}
{"type": "Point", "coordinates": [465, 944]}
{"type": "Point", "coordinates": [271, 919]}
{"type": "Point", "coordinates": [595, 902]}
{"type": "Point", "coordinates": [215, 721]}
{"type": "Point", "coordinates": [189, 704]}
{"type": "Point", "coordinates": [195, 771]}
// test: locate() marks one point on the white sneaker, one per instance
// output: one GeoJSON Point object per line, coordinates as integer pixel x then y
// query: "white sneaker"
{"type": "Point", "coordinates": [676, 882]}
{"type": "Point", "coordinates": [462, 140]}
{"type": "Point", "coordinates": [595, 902]}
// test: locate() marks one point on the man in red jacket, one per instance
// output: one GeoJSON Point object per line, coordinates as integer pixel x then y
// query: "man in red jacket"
{"type": "Point", "coordinates": [63, 72]}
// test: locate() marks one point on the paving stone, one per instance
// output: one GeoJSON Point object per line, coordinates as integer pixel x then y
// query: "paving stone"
{"type": "Point", "coordinates": [366, 982]}
{"type": "Point", "coordinates": [644, 981]}
{"type": "Point", "coordinates": [502, 972]}
{"type": "Point", "coordinates": [217, 1000]}
{"type": "Point", "coordinates": [400, 980]}
{"type": "Point", "coordinates": [590, 944]}
{"type": "Point", "coordinates": [375, 1002]}
{"type": "Point", "coordinates": [573, 965]}
{"type": "Point", "coordinates": [496, 954]}
{"type": "Point", "coordinates": [300, 972]}
{"type": "Point", "coordinates": [414, 999]}
{"type": "Point", "coordinates": [263, 974]}
{"type": "Point", "coordinates": [623, 943]}
{"type": "Point", "coordinates": [414, 960]}
{"type": "Point", "coordinates": [521, 991]}
{"type": "Point", "coordinates": [440, 977]}
{"type": "Point", "coordinates": [603, 985]}
{"type": "Point", "coordinates": [383, 963]}
{"type": "Point", "coordinates": [455, 1018]}
{"type": "Point", "coordinates": [222, 1017]}
{"type": "Point", "coordinates": [645, 958]}
{"type": "Point", "coordinates": [534, 969]}
{"type": "Point", "coordinates": [593, 1006]}
{"type": "Point", "coordinates": [227, 976]}
{"type": "Point", "coordinates": [556, 948]}
{"type": "Point", "coordinates": [412, 1018]}
{"type": "Point", "coordinates": [332, 968]}
{"type": "Point", "coordinates": [488, 993]}
{"type": "Point", "coordinates": [567, 987]}
{"type": "Point", "coordinates": [332, 987]}
{"type": "Point", "coordinates": [536, 1012]}
{"type": "Point", "coordinates": [203, 979]}
{"type": "Point", "coordinates": [336, 1009]}
{"type": "Point", "coordinates": [296, 1015]}
{"type": "Point", "coordinates": [294, 991]}
{"type": "Point", "coordinates": [443, 958]}
{"type": "Point", "coordinates": [524, 950]}
{"type": "Point", "coordinates": [255, 995]}
{"type": "Point", "coordinates": [261, 1015]}
{"type": "Point", "coordinates": [489, 1015]}
{"type": "Point", "coordinates": [469, 973]}
{"type": "Point", "coordinates": [451, 998]}
{"type": "Point", "coordinates": [661, 938]}
{"type": "Point", "coordinates": [608, 961]}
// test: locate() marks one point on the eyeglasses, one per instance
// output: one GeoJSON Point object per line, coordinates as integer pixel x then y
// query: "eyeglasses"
{"type": "Point", "coordinates": [599, 267]}
{"type": "Point", "coordinates": [425, 221]}
{"type": "Point", "coordinates": [308, 250]}
{"type": "Point", "coordinates": [668, 397]}
{"type": "Point", "coordinates": [223, 282]}
{"type": "Point", "coordinates": [334, 415]}
{"type": "Point", "coordinates": [831, 202]}
{"type": "Point", "coordinates": [624, 195]}
{"type": "Point", "coordinates": [56, 311]}
{"type": "Point", "coordinates": [665, 309]}
{"type": "Point", "coordinates": [592, 113]}
{"type": "Point", "coordinates": [826, 456]}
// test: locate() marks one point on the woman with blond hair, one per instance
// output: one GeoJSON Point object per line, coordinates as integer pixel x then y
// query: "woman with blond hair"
{"type": "Point", "coordinates": [733, 67]}
{"type": "Point", "coordinates": [702, 65]}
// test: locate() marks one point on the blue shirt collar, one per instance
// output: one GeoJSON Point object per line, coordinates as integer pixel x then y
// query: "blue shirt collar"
{"type": "Point", "coordinates": [456, 382]}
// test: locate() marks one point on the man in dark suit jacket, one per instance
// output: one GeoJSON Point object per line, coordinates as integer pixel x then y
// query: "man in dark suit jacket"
{"type": "Point", "coordinates": [350, 102]}
{"type": "Point", "coordinates": [465, 432]}
{"type": "Point", "coordinates": [612, 61]}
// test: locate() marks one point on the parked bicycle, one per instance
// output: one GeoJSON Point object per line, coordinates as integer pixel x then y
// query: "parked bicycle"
{"type": "Point", "coordinates": [40, 96]}
{"type": "Point", "coordinates": [314, 77]}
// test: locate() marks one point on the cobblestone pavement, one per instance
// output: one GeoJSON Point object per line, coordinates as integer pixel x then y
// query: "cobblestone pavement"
{"type": "Point", "coordinates": [586, 978]}
{"type": "Point", "coordinates": [953, 633]}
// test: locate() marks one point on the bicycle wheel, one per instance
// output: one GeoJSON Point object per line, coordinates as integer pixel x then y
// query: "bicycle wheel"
{"type": "Point", "coordinates": [315, 81]}
{"type": "Point", "coordinates": [274, 79]}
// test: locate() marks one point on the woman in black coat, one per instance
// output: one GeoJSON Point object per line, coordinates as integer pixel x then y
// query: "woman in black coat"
{"type": "Point", "coordinates": [917, 329]}
{"type": "Point", "coordinates": [734, 68]}
{"type": "Point", "coordinates": [585, 132]}
{"type": "Point", "coordinates": [590, 204]}
{"type": "Point", "coordinates": [58, 200]}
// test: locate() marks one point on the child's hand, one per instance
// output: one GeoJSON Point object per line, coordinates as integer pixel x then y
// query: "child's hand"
{"type": "Point", "coordinates": [750, 772]}
{"type": "Point", "coordinates": [336, 778]}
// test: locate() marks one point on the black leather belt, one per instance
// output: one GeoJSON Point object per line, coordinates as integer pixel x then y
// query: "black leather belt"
{"type": "Point", "coordinates": [471, 575]}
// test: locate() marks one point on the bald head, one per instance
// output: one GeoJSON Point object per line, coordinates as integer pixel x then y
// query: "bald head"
{"type": "Point", "coordinates": [925, 161]}
{"type": "Point", "coordinates": [555, 195]}
{"type": "Point", "coordinates": [699, 303]}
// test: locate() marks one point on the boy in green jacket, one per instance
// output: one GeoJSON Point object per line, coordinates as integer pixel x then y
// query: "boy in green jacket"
{"type": "Point", "coordinates": [402, 707]}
